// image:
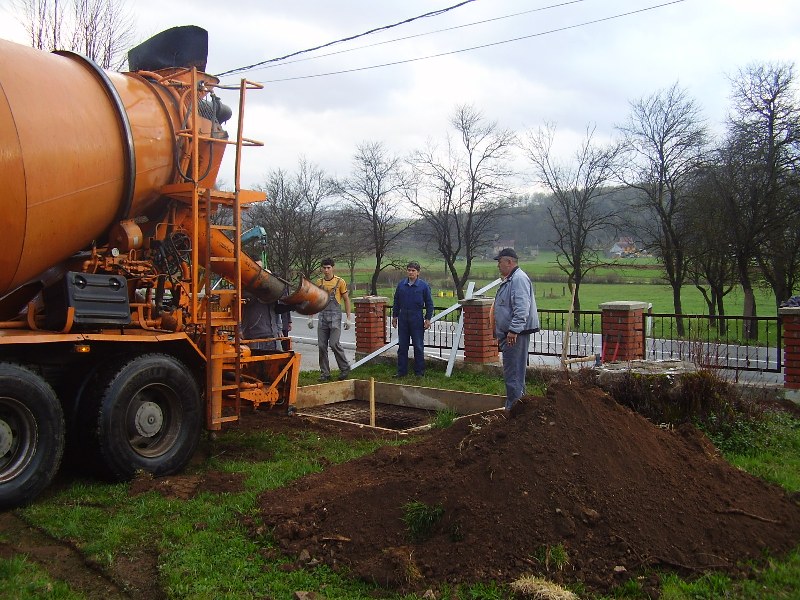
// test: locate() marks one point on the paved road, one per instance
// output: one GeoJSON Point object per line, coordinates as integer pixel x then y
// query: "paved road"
{"type": "Point", "coordinates": [305, 342]}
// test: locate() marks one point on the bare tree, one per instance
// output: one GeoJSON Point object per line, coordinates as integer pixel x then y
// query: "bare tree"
{"type": "Point", "coordinates": [277, 216]}
{"type": "Point", "coordinates": [766, 121]}
{"type": "Point", "coordinates": [779, 258]}
{"type": "Point", "coordinates": [101, 30]}
{"type": "Point", "coordinates": [374, 192]}
{"type": "Point", "coordinates": [463, 189]}
{"type": "Point", "coordinates": [316, 234]}
{"type": "Point", "coordinates": [576, 211]}
{"type": "Point", "coordinates": [711, 260]}
{"type": "Point", "coordinates": [756, 176]}
{"type": "Point", "coordinates": [352, 241]}
{"type": "Point", "coordinates": [299, 233]}
{"type": "Point", "coordinates": [42, 20]}
{"type": "Point", "coordinates": [665, 139]}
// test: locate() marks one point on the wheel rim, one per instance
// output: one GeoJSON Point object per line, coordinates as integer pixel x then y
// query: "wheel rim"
{"type": "Point", "coordinates": [18, 438]}
{"type": "Point", "coordinates": [153, 420]}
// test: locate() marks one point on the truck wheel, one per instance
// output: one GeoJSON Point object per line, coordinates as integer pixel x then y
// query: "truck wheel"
{"type": "Point", "coordinates": [31, 435]}
{"type": "Point", "coordinates": [147, 417]}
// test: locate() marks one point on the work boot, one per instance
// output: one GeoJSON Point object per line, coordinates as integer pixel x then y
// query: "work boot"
{"type": "Point", "coordinates": [517, 408]}
{"type": "Point", "coordinates": [343, 376]}
{"type": "Point", "coordinates": [324, 378]}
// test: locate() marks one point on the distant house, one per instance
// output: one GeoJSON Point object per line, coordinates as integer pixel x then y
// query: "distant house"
{"type": "Point", "coordinates": [500, 244]}
{"type": "Point", "coordinates": [623, 247]}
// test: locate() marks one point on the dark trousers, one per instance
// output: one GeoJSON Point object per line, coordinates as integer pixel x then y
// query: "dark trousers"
{"type": "Point", "coordinates": [410, 327]}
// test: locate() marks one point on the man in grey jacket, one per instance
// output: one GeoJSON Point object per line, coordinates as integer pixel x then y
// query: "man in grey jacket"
{"type": "Point", "coordinates": [515, 319]}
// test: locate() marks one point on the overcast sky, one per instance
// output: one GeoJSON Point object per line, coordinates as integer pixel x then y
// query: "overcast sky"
{"type": "Point", "coordinates": [562, 71]}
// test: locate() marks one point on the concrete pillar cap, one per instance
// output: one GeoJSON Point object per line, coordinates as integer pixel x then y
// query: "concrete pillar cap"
{"type": "Point", "coordinates": [370, 299]}
{"type": "Point", "coordinates": [477, 301]}
{"type": "Point", "coordinates": [624, 305]}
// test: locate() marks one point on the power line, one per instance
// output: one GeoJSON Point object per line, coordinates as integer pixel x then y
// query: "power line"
{"type": "Point", "coordinates": [524, 37]}
{"type": "Point", "coordinates": [418, 35]}
{"type": "Point", "coordinates": [434, 13]}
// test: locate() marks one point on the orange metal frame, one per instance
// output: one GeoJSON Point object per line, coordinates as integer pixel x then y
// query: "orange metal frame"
{"type": "Point", "coordinates": [223, 341]}
{"type": "Point", "coordinates": [213, 332]}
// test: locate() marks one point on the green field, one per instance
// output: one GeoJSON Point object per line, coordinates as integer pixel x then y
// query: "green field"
{"type": "Point", "coordinates": [639, 279]}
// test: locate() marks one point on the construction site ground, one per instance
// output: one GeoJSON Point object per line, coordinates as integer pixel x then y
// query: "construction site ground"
{"type": "Point", "coordinates": [622, 497]}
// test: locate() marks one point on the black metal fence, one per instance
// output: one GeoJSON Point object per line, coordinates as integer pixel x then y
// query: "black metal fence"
{"type": "Point", "coordinates": [584, 337]}
{"type": "Point", "coordinates": [441, 334]}
{"type": "Point", "coordinates": [731, 342]}
{"type": "Point", "coordinates": [548, 342]}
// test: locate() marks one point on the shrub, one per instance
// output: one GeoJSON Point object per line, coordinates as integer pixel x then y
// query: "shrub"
{"type": "Point", "coordinates": [444, 418]}
{"type": "Point", "coordinates": [553, 556]}
{"type": "Point", "coordinates": [753, 434]}
{"type": "Point", "coordinates": [420, 519]}
{"type": "Point", "coordinates": [700, 397]}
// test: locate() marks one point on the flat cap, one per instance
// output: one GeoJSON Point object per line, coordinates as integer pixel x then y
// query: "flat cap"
{"type": "Point", "coordinates": [506, 252]}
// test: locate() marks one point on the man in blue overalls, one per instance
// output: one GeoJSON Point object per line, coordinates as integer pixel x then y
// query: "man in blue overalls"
{"type": "Point", "coordinates": [330, 322]}
{"type": "Point", "coordinates": [410, 298]}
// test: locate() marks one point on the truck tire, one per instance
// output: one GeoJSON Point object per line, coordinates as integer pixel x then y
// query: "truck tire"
{"type": "Point", "coordinates": [31, 435]}
{"type": "Point", "coordinates": [147, 416]}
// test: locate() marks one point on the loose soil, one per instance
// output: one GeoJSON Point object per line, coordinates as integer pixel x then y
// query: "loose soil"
{"type": "Point", "coordinates": [574, 470]}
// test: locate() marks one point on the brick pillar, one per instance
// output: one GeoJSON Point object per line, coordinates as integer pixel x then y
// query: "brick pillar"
{"type": "Point", "coordinates": [370, 323]}
{"type": "Point", "coordinates": [479, 343]}
{"type": "Point", "coordinates": [622, 326]}
{"type": "Point", "coordinates": [791, 347]}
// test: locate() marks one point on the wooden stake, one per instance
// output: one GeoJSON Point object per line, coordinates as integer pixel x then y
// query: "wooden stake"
{"type": "Point", "coordinates": [565, 345]}
{"type": "Point", "coordinates": [372, 402]}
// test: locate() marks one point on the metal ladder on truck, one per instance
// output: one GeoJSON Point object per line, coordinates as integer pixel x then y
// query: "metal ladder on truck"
{"type": "Point", "coordinates": [224, 361]}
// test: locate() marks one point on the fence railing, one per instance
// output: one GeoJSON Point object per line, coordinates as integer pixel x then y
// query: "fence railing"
{"type": "Point", "coordinates": [584, 337]}
{"type": "Point", "coordinates": [441, 334]}
{"type": "Point", "coordinates": [719, 342]}
{"type": "Point", "coordinates": [548, 342]}
{"type": "Point", "coordinates": [716, 342]}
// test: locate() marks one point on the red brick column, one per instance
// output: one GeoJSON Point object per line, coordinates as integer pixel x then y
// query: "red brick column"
{"type": "Point", "coordinates": [791, 347]}
{"type": "Point", "coordinates": [623, 329]}
{"type": "Point", "coordinates": [370, 323]}
{"type": "Point", "coordinates": [479, 343]}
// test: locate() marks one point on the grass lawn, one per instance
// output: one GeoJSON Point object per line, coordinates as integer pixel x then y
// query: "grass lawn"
{"type": "Point", "coordinates": [637, 279]}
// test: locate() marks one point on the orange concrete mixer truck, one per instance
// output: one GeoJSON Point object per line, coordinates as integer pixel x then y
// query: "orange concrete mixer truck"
{"type": "Point", "coordinates": [113, 340]}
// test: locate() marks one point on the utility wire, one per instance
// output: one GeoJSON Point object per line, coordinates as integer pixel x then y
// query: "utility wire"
{"type": "Point", "coordinates": [524, 37]}
{"type": "Point", "coordinates": [411, 37]}
{"type": "Point", "coordinates": [434, 13]}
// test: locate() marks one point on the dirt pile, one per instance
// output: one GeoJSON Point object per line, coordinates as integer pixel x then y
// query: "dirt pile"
{"type": "Point", "coordinates": [574, 469]}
